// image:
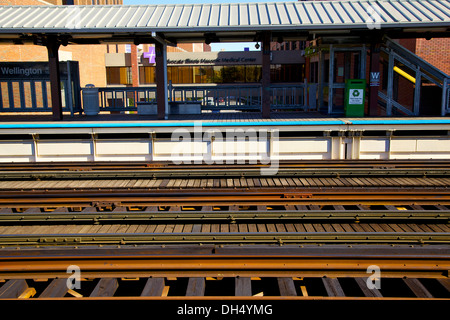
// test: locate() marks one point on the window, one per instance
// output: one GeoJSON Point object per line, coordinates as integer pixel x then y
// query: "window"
{"type": "Point", "coordinates": [147, 75]}
{"type": "Point", "coordinates": [213, 74]}
{"type": "Point", "coordinates": [253, 73]}
{"type": "Point", "coordinates": [287, 72]}
{"type": "Point", "coordinates": [185, 74]}
{"type": "Point", "coordinates": [118, 75]}
{"type": "Point", "coordinates": [314, 72]}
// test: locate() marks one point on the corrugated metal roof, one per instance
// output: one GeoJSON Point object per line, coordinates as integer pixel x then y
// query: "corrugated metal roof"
{"type": "Point", "coordinates": [304, 15]}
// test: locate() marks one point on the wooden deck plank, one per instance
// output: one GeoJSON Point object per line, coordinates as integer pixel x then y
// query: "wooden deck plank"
{"type": "Point", "coordinates": [153, 288]}
{"type": "Point", "coordinates": [224, 227]}
{"type": "Point", "coordinates": [261, 227]}
{"type": "Point", "coordinates": [366, 227]}
{"type": "Point", "coordinates": [56, 289]}
{"type": "Point", "coordinates": [418, 288]}
{"type": "Point", "coordinates": [309, 227]}
{"type": "Point", "coordinates": [169, 228]}
{"type": "Point", "coordinates": [299, 227]}
{"type": "Point", "coordinates": [328, 227]}
{"type": "Point", "coordinates": [206, 228]}
{"type": "Point", "coordinates": [106, 287]}
{"type": "Point", "coordinates": [12, 289]}
{"type": "Point", "coordinates": [445, 282]}
{"type": "Point", "coordinates": [333, 287]}
{"type": "Point", "coordinates": [242, 227]}
{"type": "Point", "coordinates": [160, 228]}
{"type": "Point", "coordinates": [286, 286]}
{"type": "Point", "coordinates": [362, 283]}
{"type": "Point", "coordinates": [178, 228]}
{"type": "Point", "coordinates": [150, 228]}
{"type": "Point", "coordinates": [243, 287]}
{"type": "Point", "coordinates": [196, 287]}
{"type": "Point", "coordinates": [386, 227]}
{"type": "Point", "coordinates": [290, 227]}
{"type": "Point", "coordinates": [318, 227]}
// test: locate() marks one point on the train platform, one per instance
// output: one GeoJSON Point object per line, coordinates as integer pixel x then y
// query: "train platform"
{"type": "Point", "coordinates": [106, 119]}
{"type": "Point", "coordinates": [223, 137]}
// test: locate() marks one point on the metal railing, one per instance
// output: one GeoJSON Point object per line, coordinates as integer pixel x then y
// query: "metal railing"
{"type": "Point", "coordinates": [289, 96]}
{"type": "Point", "coordinates": [35, 96]}
{"type": "Point", "coordinates": [446, 97]}
{"type": "Point", "coordinates": [209, 97]}
{"type": "Point", "coordinates": [219, 97]}
{"type": "Point", "coordinates": [124, 98]}
{"type": "Point", "coordinates": [422, 70]}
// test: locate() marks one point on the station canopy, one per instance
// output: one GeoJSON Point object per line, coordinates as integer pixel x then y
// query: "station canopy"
{"type": "Point", "coordinates": [301, 20]}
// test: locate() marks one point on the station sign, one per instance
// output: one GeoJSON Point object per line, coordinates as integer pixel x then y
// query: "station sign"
{"type": "Point", "coordinates": [213, 58]}
{"type": "Point", "coordinates": [28, 70]}
{"type": "Point", "coordinates": [374, 79]}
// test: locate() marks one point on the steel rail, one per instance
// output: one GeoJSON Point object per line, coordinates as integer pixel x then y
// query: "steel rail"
{"type": "Point", "coordinates": [304, 168]}
{"type": "Point", "coordinates": [171, 263]}
{"type": "Point", "coordinates": [176, 217]}
{"type": "Point", "coordinates": [192, 260]}
{"type": "Point", "coordinates": [279, 238]}
{"type": "Point", "coordinates": [144, 165]}
{"type": "Point", "coordinates": [225, 265]}
{"type": "Point", "coordinates": [213, 172]}
{"type": "Point", "coordinates": [235, 197]}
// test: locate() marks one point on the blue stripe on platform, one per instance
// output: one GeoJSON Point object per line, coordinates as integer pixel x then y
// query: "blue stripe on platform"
{"type": "Point", "coordinates": [221, 124]}
{"type": "Point", "coordinates": [167, 124]}
{"type": "Point", "coordinates": [402, 121]}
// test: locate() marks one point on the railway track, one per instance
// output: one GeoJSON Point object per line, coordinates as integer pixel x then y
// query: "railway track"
{"type": "Point", "coordinates": [310, 231]}
{"type": "Point", "coordinates": [168, 170]}
{"type": "Point", "coordinates": [290, 272]}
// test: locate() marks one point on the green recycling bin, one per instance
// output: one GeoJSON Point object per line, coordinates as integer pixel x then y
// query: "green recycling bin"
{"type": "Point", "coordinates": [355, 92]}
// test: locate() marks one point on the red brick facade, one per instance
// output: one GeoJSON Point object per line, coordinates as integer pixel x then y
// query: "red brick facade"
{"type": "Point", "coordinates": [435, 51]}
{"type": "Point", "coordinates": [91, 57]}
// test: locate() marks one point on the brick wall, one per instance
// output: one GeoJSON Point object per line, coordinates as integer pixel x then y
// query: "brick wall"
{"type": "Point", "coordinates": [435, 51]}
{"type": "Point", "coordinates": [24, 2]}
{"type": "Point", "coordinates": [90, 57]}
{"type": "Point", "coordinates": [92, 63]}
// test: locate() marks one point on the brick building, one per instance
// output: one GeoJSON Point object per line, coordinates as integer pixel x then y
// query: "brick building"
{"type": "Point", "coordinates": [91, 57]}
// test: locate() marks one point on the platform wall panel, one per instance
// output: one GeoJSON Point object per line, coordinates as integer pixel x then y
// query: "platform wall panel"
{"type": "Point", "coordinates": [168, 149]}
{"type": "Point", "coordinates": [302, 148]}
{"type": "Point", "coordinates": [370, 145]}
{"type": "Point", "coordinates": [63, 148]}
{"type": "Point", "coordinates": [16, 148]}
{"type": "Point", "coordinates": [124, 157]}
{"type": "Point", "coordinates": [68, 158]}
{"type": "Point", "coordinates": [235, 149]}
{"type": "Point", "coordinates": [127, 147]}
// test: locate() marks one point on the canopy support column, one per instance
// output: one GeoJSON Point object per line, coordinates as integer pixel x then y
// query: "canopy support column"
{"type": "Point", "coordinates": [265, 81]}
{"type": "Point", "coordinates": [374, 78]}
{"type": "Point", "coordinates": [55, 79]}
{"type": "Point", "coordinates": [161, 80]}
